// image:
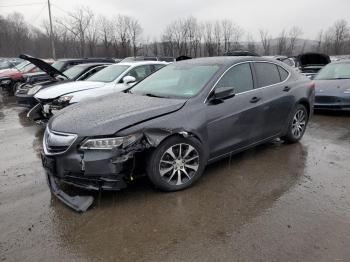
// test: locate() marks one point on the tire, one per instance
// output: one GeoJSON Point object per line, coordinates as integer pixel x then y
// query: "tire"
{"type": "Point", "coordinates": [297, 125]}
{"type": "Point", "coordinates": [170, 172]}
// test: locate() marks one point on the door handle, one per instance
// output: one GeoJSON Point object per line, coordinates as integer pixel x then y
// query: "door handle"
{"type": "Point", "coordinates": [286, 88]}
{"type": "Point", "coordinates": [255, 99]}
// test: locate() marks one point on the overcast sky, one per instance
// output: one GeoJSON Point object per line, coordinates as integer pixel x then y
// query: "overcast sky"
{"type": "Point", "coordinates": [154, 15]}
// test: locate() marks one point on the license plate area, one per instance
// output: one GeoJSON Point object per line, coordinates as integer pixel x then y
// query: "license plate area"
{"type": "Point", "coordinates": [48, 163]}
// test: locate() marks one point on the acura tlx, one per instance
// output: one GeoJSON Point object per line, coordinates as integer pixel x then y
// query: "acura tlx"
{"type": "Point", "coordinates": [173, 123]}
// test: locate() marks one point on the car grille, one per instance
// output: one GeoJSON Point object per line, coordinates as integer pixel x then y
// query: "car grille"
{"type": "Point", "coordinates": [57, 143]}
{"type": "Point", "coordinates": [326, 99]}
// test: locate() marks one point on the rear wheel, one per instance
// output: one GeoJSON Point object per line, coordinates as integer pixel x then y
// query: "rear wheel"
{"type": "Point", "coordinates": [297, 125]}
{"type": "Point", "coordinates": [176, 163]}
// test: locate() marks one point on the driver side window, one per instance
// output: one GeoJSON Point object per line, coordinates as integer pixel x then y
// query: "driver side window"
{"type": "Point", "coordinates": [140, 72]}
{"type": "Point", "coordinates": [239, 77]}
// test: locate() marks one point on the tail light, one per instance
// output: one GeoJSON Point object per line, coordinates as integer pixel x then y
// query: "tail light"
{"type": "Point", "coordinates": [311, 85]}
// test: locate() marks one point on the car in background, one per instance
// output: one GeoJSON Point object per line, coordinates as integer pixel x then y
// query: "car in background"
{"type": "Point", "coordinates": [6, 63]}
{"type": "Point", "coordinates": [240, 53]}
{"type": "Point", "coordinates": [11, 78]}
{"type": "Point", "coordinates": [174, 122]}
{"type": "Point", "coordinates": [148, 58]}
{"type": "Point", "coordinates": [114, 78]}
{"type": "Point", "coordinates": [308, 63]}
{"type": "Point", "coordinates": [25, 93]}
{"type": "Point", "coordinates": [332, 86]}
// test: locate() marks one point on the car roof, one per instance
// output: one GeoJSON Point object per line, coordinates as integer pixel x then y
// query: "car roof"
{"type": "Point", "coordinates": [93, 64]}
{"type": "Point", "coordinates": [226, 60]}
{"type": "Point", "coordinates": [137, 63]}
{"type": "Point", "coordinates": [85, 59]}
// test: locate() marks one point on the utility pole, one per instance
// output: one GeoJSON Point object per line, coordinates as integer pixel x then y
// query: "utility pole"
{"type": "Point", "coordinates": [51, 32]}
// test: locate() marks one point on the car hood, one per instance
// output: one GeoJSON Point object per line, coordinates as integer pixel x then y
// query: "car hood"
{"type": "Point", "coordinates": [43, 66]}
{"type": "Point", "coordinates": [58, 90]}
{"type": "Point", "coordinates": [309, 59]}
{"type": "Point", "coordinates": [106, 115]}
{"type": "Point", "coordinates": [331, 87]}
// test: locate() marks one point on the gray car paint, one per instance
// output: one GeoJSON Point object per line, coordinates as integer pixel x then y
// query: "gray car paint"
{"type": "Point", "coordinates": [223, 127]}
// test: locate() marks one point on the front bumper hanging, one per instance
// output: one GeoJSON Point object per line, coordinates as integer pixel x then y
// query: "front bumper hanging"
{"type": "Point", "coordinates": [78, 203]}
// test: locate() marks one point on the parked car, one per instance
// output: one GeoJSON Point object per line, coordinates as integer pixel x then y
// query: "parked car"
{"type": "Point", "coordinates": [332, 85]}
{"type": "Point", "coordinates": [25, 93]}
{"type": "Point", "coordinates": [240, 53]}
{"type": "Point", "coordinates": [6, 63]}
{"type": "Point", "coordinates": [11, 78]}
{"type": "Point", "coordinates": [308, 64]}
{"type": "Point", "coordinates": [174, 122]}
{"type": "Point", "coordinates": [64, 64]}
{"type": "Point", "coordinates": [148, 58]}
{"type": "Point", "coordinates": [114, 78]}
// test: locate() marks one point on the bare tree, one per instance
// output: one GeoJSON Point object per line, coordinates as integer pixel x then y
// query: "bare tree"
{"type": "Point", "coordinates": [251, 46]}
{"type": "Point", "coordinates": [209, 38]}
{"type": "Point", "coordinates": [319, 41]}
{"type": "Point", "coordinates": [217, 37]}
{"type": "Point", "coordinates": [77, 23]}
{"type": "Point", "coordinates": [265, 39]}
{"type": "Point", "coordinates": [282, 43]}
{"type": "Point", "coordinates": [294, 33]}
{"type": "Point", "coordinates": [106, 34]}
{"type": "Point", "coordinates": [134, 30]}
{"type": "Point", "coordinates": [340, 31]}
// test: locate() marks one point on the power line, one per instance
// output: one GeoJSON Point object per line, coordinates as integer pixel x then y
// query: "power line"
{"type": "Point", "coordinates": [13, 5]}
{"type": "Point", "coordinates": [38, 15]}
{"type": "Point", "coordinates": [59, 8]}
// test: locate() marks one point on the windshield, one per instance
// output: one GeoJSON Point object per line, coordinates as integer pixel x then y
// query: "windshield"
{"type": "Point", "coordinates": [176, 81]}
{"type": "Point", "coordinates": [5, 64]}
{"type": "Point", "coordinates": [58, 65]}
{"type": "Point", "coordinates": [74, 72]}
{"type": "Point", "coordinates": [334, 71]}
{"type": "Point", "coordinates": [22, 65]}
{"type": "Point", "coordinates": [26, 68]}
{"type": "Point", "coordinates": [108, 74]}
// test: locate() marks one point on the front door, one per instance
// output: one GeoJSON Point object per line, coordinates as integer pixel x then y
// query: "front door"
{"type": "Point", "coordinates": [234, 123]}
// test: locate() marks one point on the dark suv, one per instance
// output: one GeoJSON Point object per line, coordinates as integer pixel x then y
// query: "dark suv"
{"type": "Point", "coordinates": [175, 122]}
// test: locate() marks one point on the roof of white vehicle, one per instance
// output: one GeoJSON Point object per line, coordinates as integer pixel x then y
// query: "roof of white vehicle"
{"type": "Point", "coordinates": [137, 63]}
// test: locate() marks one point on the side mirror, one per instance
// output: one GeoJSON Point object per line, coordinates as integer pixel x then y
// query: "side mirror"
{"type": "Point", "coordinates": [223, 93]}
{"type": "Point", "coordinates": [129, 79]}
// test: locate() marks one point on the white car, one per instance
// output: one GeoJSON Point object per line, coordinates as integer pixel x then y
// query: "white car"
{"type": "Point", "coordinates": [114, 78]}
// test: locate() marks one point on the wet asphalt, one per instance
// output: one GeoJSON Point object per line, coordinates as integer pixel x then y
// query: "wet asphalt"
{"type": "Point", "coordinates": [276, 202]}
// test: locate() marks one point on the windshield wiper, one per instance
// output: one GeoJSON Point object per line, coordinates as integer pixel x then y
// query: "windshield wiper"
{"type": "Point", "coordinates": [153, 95]}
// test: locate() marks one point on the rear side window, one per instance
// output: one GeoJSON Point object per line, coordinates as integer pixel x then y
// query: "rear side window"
{"type": "Point", "coordinates": [239, 77]}
{"type": "Point", "coordinates": [283, 73]}
{"type": "Point", "coordinates": [266, 74]}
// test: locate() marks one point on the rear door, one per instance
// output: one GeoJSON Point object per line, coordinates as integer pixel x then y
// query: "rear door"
{"type": "Point", "coordinates": [234, 122]}
{"type": "Point", "coordinates": [278, 100]}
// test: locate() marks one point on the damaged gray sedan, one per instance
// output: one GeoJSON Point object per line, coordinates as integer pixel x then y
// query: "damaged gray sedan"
{"type": "Point", "coordinates": [170, 125]}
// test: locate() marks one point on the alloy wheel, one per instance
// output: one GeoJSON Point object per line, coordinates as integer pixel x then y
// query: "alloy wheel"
{"type": "Point", "coordinates": [299, 123]}
{"type": "Point", "coordinates": [179, 164]}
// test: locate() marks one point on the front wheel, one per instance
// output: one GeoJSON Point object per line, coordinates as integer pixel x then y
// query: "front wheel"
{"type": "Point", "coordinates": [297, 125]}
{"type": "Point", "coordinates": [176, 163]}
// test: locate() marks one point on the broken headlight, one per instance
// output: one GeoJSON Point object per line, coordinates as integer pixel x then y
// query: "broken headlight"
{"type": "Point", "coordinates": [110, 142]}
